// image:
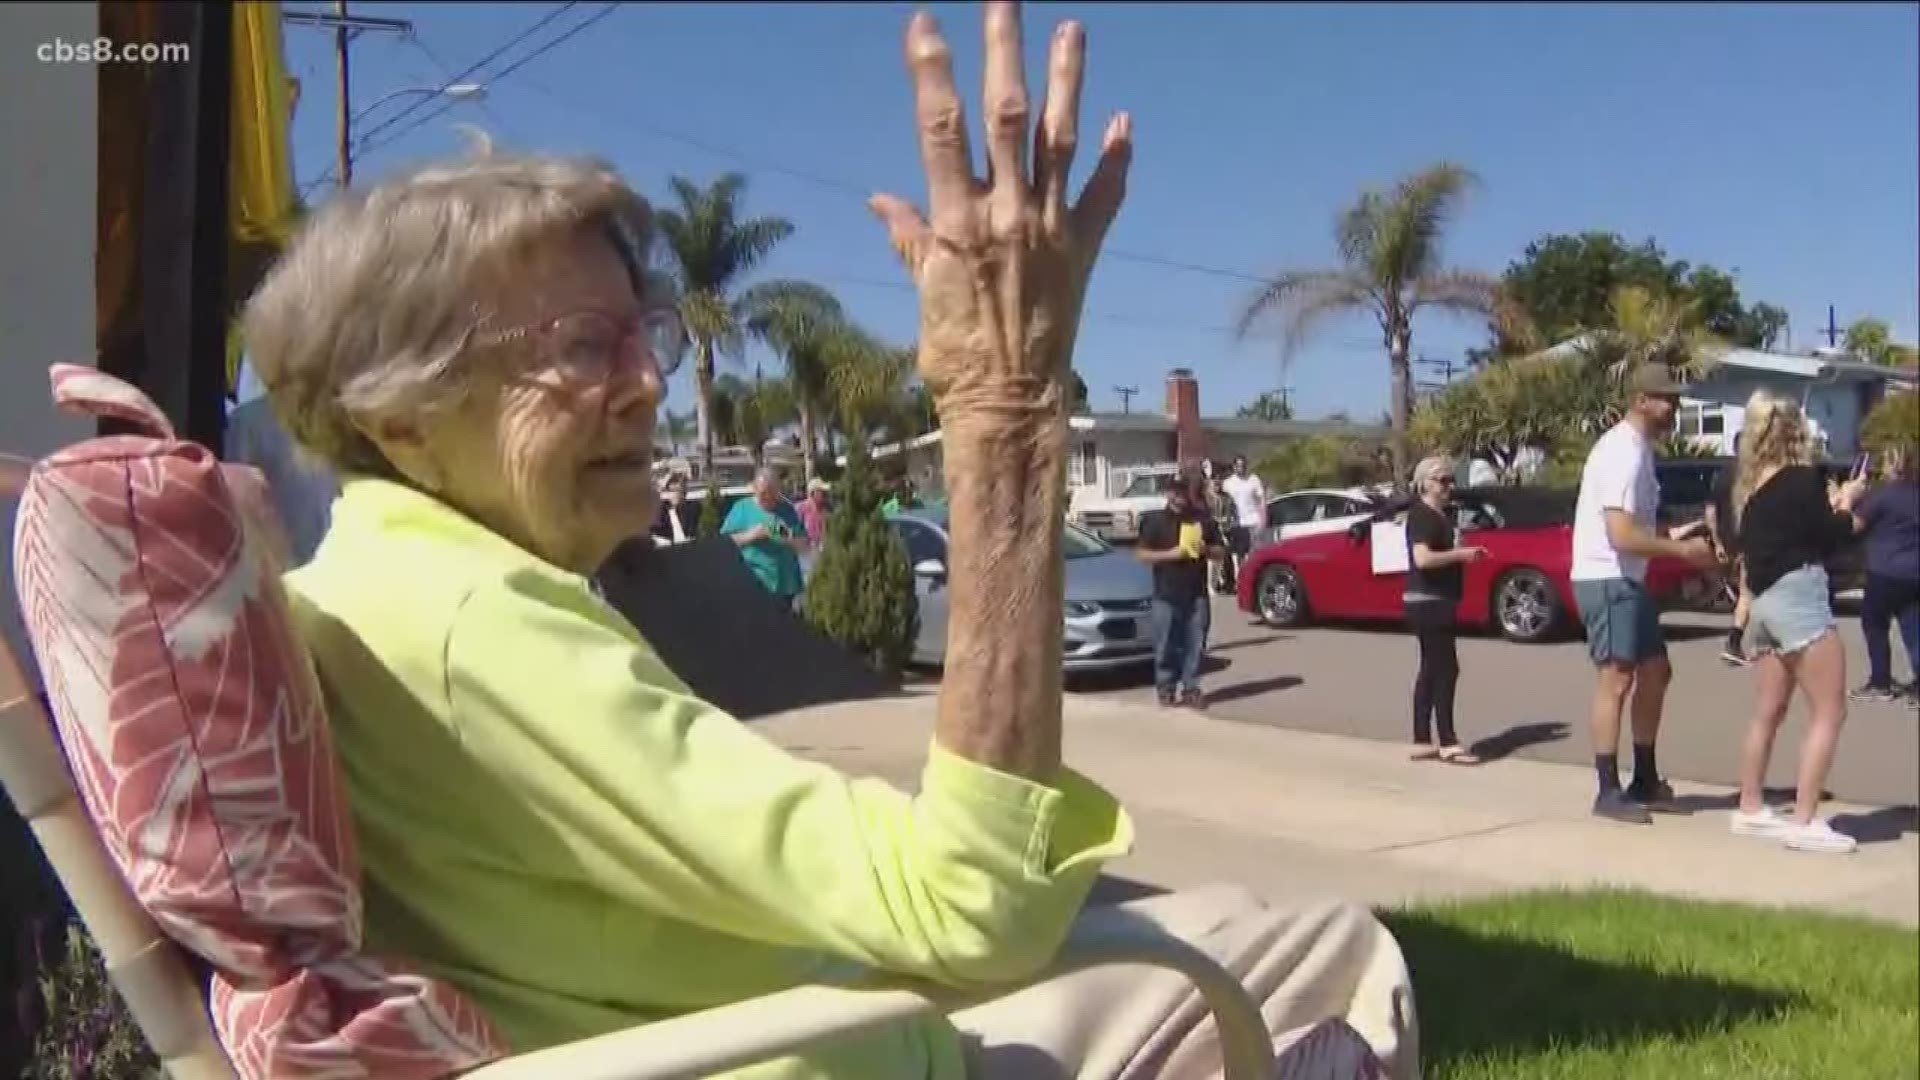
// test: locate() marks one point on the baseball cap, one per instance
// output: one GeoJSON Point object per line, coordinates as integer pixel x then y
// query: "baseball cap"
{"type": "Point", "coordinates": [1655, 379]}
{"type": "Point", "coordinates": [817, 484]}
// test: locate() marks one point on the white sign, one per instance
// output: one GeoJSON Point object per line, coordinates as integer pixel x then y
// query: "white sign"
{"type": "Point", "coordinates": [1389, 544]}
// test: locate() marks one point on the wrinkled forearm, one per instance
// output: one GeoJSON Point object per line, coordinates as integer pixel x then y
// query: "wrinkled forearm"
{"type": "Point", "coordinates": [1000, 694]}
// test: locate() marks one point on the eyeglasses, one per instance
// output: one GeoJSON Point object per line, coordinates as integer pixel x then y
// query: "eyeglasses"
{"type": "Point", "coordinates": [589, 345]}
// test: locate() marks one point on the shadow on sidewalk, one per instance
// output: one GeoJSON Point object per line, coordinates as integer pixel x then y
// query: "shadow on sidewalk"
{"type": "Point", "coordinates": [1252, 688]}
{"type": "Point", "coordinates": [1489, 996]}
{"type": "Point", "coordinates": [1247, 643]}
{"type": "Point", "coordinates": [1518, 738]}
{"type": "Point", "coordinates": [1879, 826]}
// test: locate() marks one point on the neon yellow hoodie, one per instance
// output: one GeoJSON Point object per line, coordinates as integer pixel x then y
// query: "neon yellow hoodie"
{"type": "Point", "coordinates": [551, 822]}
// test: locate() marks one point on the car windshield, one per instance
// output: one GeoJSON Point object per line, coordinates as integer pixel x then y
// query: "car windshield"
{"type": "Point", "coordinates": [1076, 544]}
{"type": "Point", "coordinates": [1143, 486]}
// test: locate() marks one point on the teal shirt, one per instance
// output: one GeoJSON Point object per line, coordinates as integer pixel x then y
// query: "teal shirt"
{"type": "Point", "coordinates": [773, 562]}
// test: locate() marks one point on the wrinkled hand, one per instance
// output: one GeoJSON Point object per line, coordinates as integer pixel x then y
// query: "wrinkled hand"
{"type": "Point", "coordinates": [1002, 265]}
{"type": "Point", "coordinates": [1476, 553]}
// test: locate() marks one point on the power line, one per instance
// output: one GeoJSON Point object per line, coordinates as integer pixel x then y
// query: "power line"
{"type": "Point", "coordinates": [498, 76]}
{"type": "Point", "coordinates": [367, 136]}
{"type": "Point", "coordinates": [859, 190]}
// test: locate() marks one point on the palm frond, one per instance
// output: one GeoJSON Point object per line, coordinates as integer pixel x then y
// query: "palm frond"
{"type": "Point", "coordinates": [1300, 299]}
{"type": "Point", "coordinates": [1462, 292]}
{"type": "Point", "coordinates": [1411, 224]}
{"type": "Point", "coordinates": [751, 241]}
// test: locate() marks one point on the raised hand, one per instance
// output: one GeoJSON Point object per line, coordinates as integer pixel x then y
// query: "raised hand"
{"type": "Point", "coordinates": [1002, 264]}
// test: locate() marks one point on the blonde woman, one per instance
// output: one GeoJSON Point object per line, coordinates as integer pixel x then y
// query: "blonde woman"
{"type": "Point", "coordinates": [1788, 524]}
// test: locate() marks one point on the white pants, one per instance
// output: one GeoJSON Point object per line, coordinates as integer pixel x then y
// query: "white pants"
{"type": "Point", "coordinates": [1329, 978]}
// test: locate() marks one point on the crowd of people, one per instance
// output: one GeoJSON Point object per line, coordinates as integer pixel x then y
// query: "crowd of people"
{"type": "Point", "coordinates": [1774, 524]}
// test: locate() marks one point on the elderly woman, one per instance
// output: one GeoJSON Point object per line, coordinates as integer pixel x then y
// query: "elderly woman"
{"type": "Point", "coordinates": [548, 818]}
{"type": "Point", "coordinates": [1436, 575]}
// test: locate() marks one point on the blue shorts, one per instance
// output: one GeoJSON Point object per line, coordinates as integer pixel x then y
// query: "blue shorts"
{"type": "Point", "coordinates": [1622, 621]}
{"type": "Point", "coordinates": [1792, 614]}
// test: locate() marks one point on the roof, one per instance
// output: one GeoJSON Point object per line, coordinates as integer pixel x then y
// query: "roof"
{"type": "Point", "coordinates": [1835, 368]}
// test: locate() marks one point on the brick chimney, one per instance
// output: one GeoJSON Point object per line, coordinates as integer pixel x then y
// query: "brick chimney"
{"type": "Point", "coordinates": [1183, 408]}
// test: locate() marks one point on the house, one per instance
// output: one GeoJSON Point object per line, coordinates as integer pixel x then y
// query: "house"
{"type": "Point", "coordinates": [1836, 389]}
{"type": "Point", "coordinates": [1109, 451]}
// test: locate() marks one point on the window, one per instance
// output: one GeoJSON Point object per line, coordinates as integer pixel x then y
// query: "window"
{"type": "Point", "coordinates": [1292, 510]}
{"type": "Point", "coordinates": [922, 543]}
{"type": "Point", "coordinates": [1687, 421]}
{"type": "Point", "coordinates": [1713, 423]}
{"type": "Point", "coordinates": [1083, 468]}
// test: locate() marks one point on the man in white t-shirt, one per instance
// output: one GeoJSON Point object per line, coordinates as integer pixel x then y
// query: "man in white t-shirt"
{"type": "Point", "coordinates": [1614, 534]}
{"type": "Point", "coordinates": [1249, 497]}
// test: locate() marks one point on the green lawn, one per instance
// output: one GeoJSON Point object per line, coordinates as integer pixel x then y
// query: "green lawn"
{"type": "Point", "coordinates": [1626, 986]}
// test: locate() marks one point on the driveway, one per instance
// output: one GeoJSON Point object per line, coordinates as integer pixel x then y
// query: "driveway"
{"type": "Point", "coordinates": [1532, 700]}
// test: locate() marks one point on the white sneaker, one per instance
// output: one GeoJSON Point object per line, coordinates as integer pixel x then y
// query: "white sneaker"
{"type": "Point", "coordinates": [1765, 822]}
{"type": "Point", "coordinates": [1817, 835]}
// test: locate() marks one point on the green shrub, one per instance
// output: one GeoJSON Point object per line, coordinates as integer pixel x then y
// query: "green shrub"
{"type": "Point", "coordinates": [861, 592]}
{"type": "Point", "coordinates": [1894, 424]}
{"type": "Point", "coordinates": [87, 1033]}
{"type": "Point", "coordinates": [711, 514]}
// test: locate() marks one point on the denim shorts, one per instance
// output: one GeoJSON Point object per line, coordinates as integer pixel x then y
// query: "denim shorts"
{"type": "Point", "coordinates": [1621, 620]}
{"type": "Point", "coordinates": [1791, 614]}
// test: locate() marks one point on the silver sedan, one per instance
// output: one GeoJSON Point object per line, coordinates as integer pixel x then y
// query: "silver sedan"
{"type": "Point", "coordinates": [1107, 623]}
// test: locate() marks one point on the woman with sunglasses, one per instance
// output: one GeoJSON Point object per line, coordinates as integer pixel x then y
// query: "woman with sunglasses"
{"type": "Point", "coordinates": [1435, 576]}
{"type": "Point", "coordinates": [548, 817]}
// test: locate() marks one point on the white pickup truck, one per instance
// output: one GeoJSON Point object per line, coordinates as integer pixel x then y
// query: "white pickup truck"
{"type": "Point", "coordinates": [1117, 517]}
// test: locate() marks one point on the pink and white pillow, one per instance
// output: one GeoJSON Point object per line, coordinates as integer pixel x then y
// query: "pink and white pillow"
{"type": "Point", "coordinates": [148, 573]}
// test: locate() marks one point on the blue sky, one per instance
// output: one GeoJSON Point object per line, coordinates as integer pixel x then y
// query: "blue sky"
{"type": "Point", "coordinates": [1779, 142]}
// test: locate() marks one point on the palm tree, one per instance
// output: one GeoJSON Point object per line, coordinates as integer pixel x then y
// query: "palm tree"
{"type": "Point", "coordinates": [1390, 268]}
{"type": "Point", "coordinates": [870, 384]}
{"type": "Point", "coordinates": [677, 428]}
{"type": "Point", "coordinates": [748, 413]}
{"type": "Point", "coordinates": [712, 249]}
{"type": "Point", "coordinates": [797, 320]}
{"type": "Point", "coordinates": [1648, 327]}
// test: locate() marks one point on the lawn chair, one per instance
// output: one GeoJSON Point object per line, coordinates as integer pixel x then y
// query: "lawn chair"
{"type": "Point", "coordinates": [191, 809]}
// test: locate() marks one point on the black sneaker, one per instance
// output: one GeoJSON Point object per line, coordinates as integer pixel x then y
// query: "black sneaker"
{"type": "Point", "coordinates": [1616, 806]}
{"type": "Point", "coordinates": [1167, 698]}
{"type": "Point", "coordinates": [1874, 695]}
{"type": "Point", "coordinates": [1656, 796]}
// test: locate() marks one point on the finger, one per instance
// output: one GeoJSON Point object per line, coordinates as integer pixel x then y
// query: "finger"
{"type": "Point", "coordinates": [943, 123]}
{"type": "Point", "coordinates": [1005, 99]}
{"type": "Point", "coordinates": [906, 230]}
{"type": "Point", "coordinates": [1058, 133]}
{"type": "Point", "coordinates": [1100, 199]}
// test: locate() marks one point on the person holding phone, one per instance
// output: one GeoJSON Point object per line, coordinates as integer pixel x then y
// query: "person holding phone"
{"type": "Point", "coordinates": [770, 536]}
{"type": "Point", "coordinates": [1435, 582]}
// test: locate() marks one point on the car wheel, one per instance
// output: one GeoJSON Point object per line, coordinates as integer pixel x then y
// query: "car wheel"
{"type": "Point", "coordinates": [1526, 607]}
{"type": "Point", "coordinates": [1280, 596]}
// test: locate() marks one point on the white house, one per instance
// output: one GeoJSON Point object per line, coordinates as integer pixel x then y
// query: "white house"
{"type": "Point", "coordinates": [1109, 451]}
{"type": "Point", "coordinates": [1836, 390]}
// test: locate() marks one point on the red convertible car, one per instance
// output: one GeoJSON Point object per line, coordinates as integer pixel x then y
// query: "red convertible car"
{"type": "Point", "coordinates": [1521, 588]}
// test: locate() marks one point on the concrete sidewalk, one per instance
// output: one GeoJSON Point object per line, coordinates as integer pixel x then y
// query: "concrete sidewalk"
{"type": "Point", "coordinates": [1295, 814]}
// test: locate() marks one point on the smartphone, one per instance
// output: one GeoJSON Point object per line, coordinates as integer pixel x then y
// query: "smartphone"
{"type": "Point", "coordinates": [1862, 466]}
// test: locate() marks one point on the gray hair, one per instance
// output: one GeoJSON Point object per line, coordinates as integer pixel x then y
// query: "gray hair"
{"type": "Point", "coordinates": [368, 313]}
{"type": "Point", "coordinates": [1430, 467]}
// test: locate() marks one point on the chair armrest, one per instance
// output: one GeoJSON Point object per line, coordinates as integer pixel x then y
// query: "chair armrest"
{"type": "Point", "coordinates": [734, 1036]}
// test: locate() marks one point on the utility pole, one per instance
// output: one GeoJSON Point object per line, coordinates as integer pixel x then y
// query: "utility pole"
{"type": "Point", "coordinates": [344, 26]}
{"type": "Point", "coordinates": [1833, 329]}
{"type": "Point", "coordinates": [1126, 397]}
{"type": "Point", "coordinates": [343, 107]}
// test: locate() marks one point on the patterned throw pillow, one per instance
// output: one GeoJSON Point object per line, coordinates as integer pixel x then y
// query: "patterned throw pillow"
{"type": "Point", "coordinates": [189, 713]}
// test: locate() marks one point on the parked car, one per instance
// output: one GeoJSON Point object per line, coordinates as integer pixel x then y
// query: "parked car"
{"type": "Point", "coordinates": [1109, 596]}
{"type": "Point", "coordinates": [1522, 588]}
{"type": "Point", "coordinates": [1117, 517]}
{"type": "Point", "coordinates": [1686, 487]}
